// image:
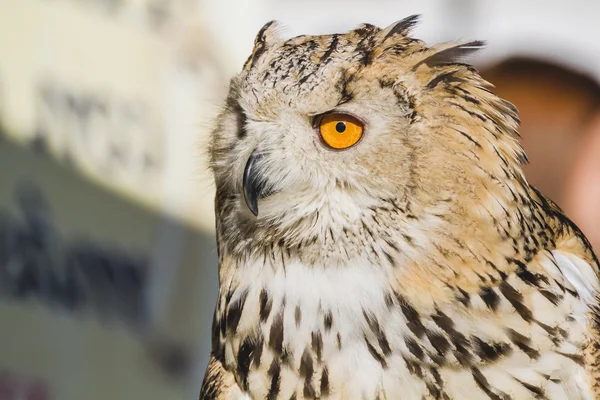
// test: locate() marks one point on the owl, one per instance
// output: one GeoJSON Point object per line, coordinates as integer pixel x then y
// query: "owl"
{"type": "Point", "coordinates": [377, 238]}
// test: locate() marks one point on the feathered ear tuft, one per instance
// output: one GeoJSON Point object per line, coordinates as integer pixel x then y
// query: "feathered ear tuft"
{"type": "Point", "coordinates": [402, 27]}
{"type": "Point", "coordinates": [266, 37]}
{"type": "Point", "coordinates": [452, 54]}
{"type": "Point", "coordinates": [268, 34]}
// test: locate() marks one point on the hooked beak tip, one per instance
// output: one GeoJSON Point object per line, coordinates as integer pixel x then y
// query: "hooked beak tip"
{"type": "Point", "coordinates": [251, 183]}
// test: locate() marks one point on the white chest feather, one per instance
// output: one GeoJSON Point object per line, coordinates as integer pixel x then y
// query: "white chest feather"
{"type": "Point", "coordinates": [343, 333]}
{"type": "Point", "coordinates": [321, 314]}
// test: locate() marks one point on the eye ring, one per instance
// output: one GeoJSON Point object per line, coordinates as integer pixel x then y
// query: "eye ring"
{"type": "Point", "coordinates": [339, 131]}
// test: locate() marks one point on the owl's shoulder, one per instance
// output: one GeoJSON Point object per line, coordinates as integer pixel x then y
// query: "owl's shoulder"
{"type": "Point", "coordinates": [219, 384]}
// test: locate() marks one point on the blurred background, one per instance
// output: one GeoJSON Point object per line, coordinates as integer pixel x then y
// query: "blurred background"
{"type": "Point", "coordinates": [108, 272]}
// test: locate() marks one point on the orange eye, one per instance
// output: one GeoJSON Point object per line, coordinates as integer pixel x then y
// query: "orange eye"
{"type": "Point", "coordinates": [340, 131]}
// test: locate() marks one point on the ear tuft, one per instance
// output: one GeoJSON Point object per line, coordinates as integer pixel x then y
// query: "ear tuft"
{"type": "Point", "coordinates": [451, 54]}
{"type": "Point", "coordinates": [402, 27]}
{"type": "Point", "coordinates": [268, 35]}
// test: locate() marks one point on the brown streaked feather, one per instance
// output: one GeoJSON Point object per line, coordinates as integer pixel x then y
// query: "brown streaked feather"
{"type": "Point", "coordinates": [402, 27]}
{"type": "Point", "coordinates": [219, 384]}
{"type": "Point", "coordinates": [453, 54]}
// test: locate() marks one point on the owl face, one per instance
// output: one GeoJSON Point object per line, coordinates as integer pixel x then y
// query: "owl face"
{"type": "Point", "coordinates": [319, 129]}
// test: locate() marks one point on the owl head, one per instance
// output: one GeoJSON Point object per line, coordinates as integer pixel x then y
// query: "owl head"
{"type": "Point", "coordinates": [329, 140]}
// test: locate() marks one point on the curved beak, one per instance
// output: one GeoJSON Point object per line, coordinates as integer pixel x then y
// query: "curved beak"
{"type": "Point", "coordinates": [253, 183]}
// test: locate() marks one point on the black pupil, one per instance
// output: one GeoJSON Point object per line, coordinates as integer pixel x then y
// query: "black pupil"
{"type": "Point", "coordinates": [340, 127]}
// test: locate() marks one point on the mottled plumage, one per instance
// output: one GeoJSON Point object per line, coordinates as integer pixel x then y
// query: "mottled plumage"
{"type": "Point", "coordinates": [417, 264]}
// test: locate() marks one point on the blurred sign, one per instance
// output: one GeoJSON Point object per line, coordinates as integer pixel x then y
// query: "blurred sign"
{"type": "Point", "coordinates": [99, 298]}
{"type": "Point", "coordinates": [37, 264]}
{"type": "Point", "coordinates": [103, 134]}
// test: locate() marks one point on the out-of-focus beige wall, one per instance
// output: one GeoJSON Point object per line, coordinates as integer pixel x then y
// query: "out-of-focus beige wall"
{"type": "Point", "coordinates": [120, 88]}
